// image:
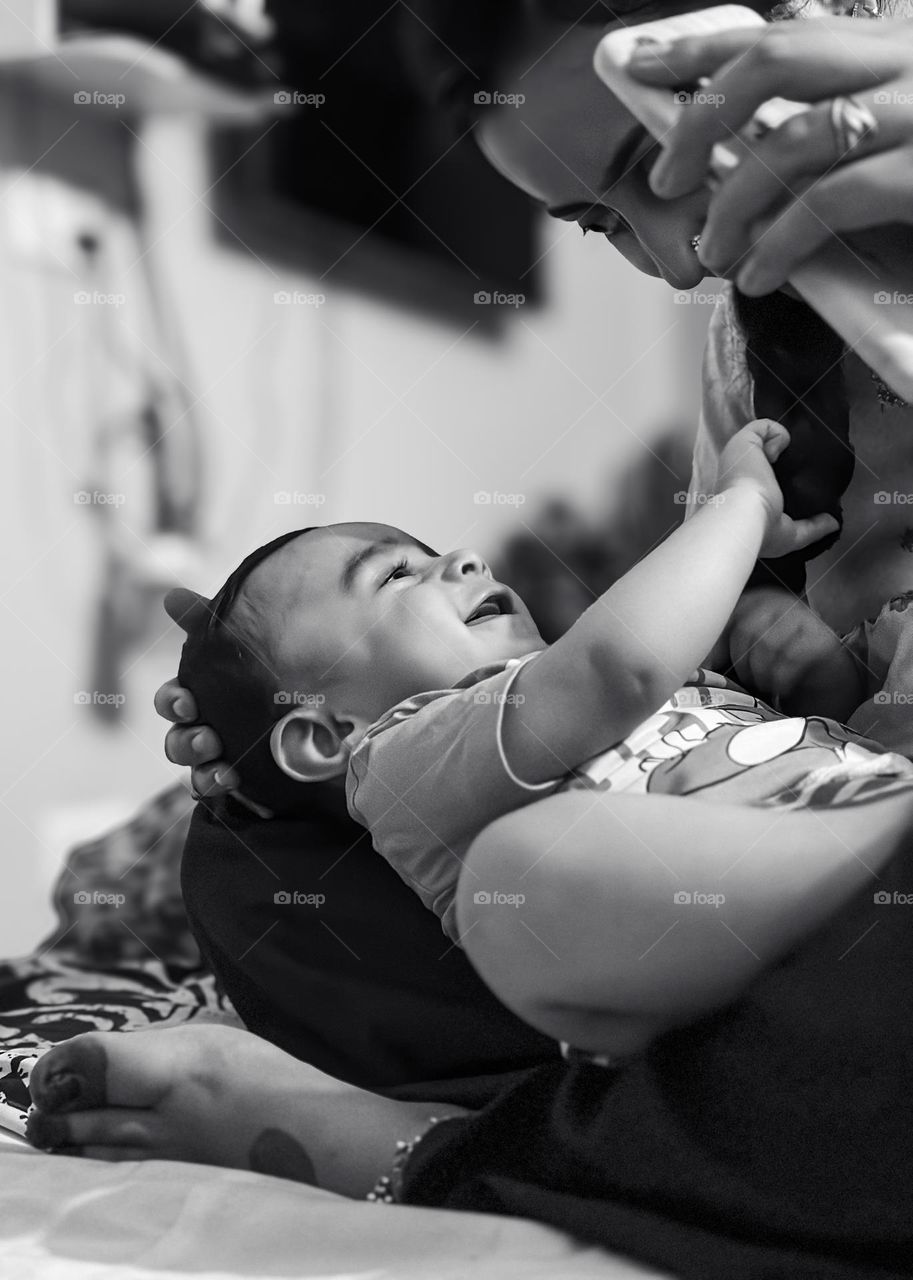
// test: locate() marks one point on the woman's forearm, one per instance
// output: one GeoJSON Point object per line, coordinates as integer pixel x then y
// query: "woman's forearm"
{"type": "Point", "coordinates": [640, 913]}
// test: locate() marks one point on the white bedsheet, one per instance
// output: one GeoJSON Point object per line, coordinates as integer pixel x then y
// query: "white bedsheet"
{"type": "Point", "coordinates": [70, 1219]}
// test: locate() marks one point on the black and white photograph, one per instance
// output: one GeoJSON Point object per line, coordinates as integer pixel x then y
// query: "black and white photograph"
{"type": "Point", "coordinates": [457, 803]}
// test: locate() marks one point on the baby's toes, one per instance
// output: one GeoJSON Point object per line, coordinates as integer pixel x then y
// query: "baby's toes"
{"type": "Point", "coordinates": [116, 1131]}
{"type": "Point", "coordinates": [71, 1076]}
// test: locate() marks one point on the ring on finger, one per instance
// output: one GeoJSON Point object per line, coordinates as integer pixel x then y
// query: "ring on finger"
{"type": "Point", "coordinates": [852, 123]}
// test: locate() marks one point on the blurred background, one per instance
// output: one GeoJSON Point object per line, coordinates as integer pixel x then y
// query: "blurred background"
{"type": "Point", "coordinates": [246, 285]}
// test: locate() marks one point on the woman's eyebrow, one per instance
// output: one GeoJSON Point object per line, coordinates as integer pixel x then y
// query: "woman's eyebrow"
{"type": "Point", "coordinates": [623, 161]}
{"type": "Point", "coordinates": [618, 167]}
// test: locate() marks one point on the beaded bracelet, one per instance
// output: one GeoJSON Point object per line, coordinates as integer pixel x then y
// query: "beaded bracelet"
{"type": "Point", "coordinates": [387, 1187]}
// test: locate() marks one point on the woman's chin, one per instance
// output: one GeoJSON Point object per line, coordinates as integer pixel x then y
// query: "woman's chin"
{"type": "Point", "coordinates": [683, 281]}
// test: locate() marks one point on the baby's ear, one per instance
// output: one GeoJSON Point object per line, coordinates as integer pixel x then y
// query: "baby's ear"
{"type": "Point", "coordinates": [307, 746]}
{"type": "Point", "coordinates": [187, 608]}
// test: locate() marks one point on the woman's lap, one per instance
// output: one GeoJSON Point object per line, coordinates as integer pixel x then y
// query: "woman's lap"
{"type": "Point", "coordinates": [773, 1130]}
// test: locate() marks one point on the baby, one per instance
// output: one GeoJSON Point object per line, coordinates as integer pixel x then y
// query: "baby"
{"type": "Point", "coordinates": [356, 653]}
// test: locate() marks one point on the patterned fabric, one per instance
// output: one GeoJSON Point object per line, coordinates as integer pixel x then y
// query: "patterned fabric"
{"type": "Point", "coordinates": [122, 958]}
{"type": "Point", "coordinates": [50, 997]}
{"type": "Point", "coordinates": [714, 741]}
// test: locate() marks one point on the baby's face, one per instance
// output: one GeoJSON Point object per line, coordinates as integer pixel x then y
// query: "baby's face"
{"type": "Point", "coordinates": [375, 616]}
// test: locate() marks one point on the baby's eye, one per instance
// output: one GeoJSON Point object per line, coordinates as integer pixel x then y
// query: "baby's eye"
{"type": "Point", "coordinates": [400, 570]}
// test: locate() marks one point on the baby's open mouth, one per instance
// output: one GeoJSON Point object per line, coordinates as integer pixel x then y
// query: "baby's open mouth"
{"type": "Point", "coordinates": [496, 604]}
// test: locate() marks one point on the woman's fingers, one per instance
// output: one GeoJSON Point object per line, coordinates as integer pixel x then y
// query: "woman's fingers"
{"type": "Point", "coordinates": [192, 744]}
{"type": "Point", "coordinates": [175, 703]}
{"type": "Point", "coordinates": [778, 61]}
{"type": "Point", "coordinates": [214, 779]}
{"type": "Point", "coordinates": [847, 200]}
{"type": "Point", "coordinates": [774, 438]}
{"type": "Point", "coordinates": [805, 533]}
{"type": "Point", "coordinates": [780, 166]}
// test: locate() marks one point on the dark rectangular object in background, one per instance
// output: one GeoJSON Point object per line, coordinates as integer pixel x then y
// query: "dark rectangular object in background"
{"type": "Point", "coordinates": [367, 188]}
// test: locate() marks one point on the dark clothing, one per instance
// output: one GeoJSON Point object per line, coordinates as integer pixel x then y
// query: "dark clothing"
{"type": "Point", "coordinates": [774, 1139]}
{"type": "Point", "coordinates": [364, 985]}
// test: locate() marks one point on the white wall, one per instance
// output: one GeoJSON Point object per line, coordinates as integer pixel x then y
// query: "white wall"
{"type": "Point", "coordinates": [390, 415]}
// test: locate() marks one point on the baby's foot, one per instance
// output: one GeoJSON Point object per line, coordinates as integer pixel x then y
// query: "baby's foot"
{"type": "Point", "coordinates": [209, 1094]}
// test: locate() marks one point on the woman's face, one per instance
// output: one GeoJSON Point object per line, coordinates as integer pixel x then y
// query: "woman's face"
{"type": "Point", "coordinates": [572, 146]}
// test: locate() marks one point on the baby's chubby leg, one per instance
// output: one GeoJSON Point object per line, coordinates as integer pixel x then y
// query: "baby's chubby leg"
{"type": "Point", "coordinates": [571, 909]}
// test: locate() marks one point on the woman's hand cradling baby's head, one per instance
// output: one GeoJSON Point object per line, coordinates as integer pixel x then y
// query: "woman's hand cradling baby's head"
{"type": "Point", "coordinates": [188, 742]}
{"type": "Point", "coordinates": [747, 462]}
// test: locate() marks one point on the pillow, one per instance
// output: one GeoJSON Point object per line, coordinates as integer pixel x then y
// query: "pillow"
{"type": "Point", "coordinates": [118, 897]}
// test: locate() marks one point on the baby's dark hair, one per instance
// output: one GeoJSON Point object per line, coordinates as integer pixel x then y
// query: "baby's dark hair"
{"type": "Point", "coordinates": [227, 667]}
{"type": "Point", "coordinates": [794, 357]}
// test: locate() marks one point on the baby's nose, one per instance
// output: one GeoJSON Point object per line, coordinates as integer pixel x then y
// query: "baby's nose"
{"type": "Point", "coordinates": [466, 562]}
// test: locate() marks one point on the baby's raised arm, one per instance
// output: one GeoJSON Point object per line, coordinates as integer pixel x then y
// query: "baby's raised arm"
{"type": "Point", "coordinates": [641, 640]}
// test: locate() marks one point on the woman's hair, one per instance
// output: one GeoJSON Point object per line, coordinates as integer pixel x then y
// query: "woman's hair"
{"type": "Point", "coordinates": [793, 356]}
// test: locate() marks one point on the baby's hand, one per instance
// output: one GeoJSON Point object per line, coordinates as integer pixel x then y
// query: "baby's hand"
{"type": "Point", "coordinates": [782, 651]}
{"type": "Point", "coordinates": [747, 461]}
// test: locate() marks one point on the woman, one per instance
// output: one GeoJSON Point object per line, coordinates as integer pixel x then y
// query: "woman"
{"type": "Point", "coordinates": [767, 356]}
{"type": "Point", "coordinates": [762, 1129]}
{"type": "Point", "coordinates": [572, 148]}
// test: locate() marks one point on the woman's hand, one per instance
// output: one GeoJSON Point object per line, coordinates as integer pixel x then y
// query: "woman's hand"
{"type": "Point", "coordinates": [194, 744]}
{"type": "Point", "coordinates": [799, 183]}
{"type": "Point", "coordinates": [747, 461]}
{"type": "Point", "coordinates": [782, 651]}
